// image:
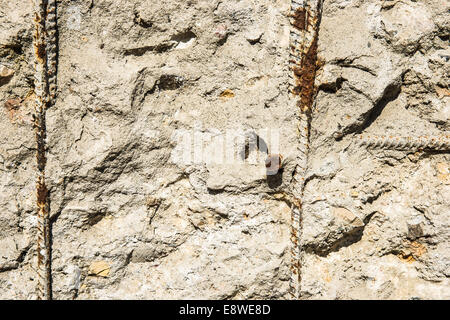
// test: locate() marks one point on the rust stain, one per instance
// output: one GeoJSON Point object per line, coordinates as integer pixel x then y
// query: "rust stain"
{"type": "Point", "coordinates": [12, 104]}
{"type": "Point", "coordinates": [12, 107]}
{"type": "Point", "coordinates": [305, 75]}
{"type": "Point", "coordinates": [18, 109]}
{"type": "Point", "coordinates": [37, 17]}
{"type": "Point", "coordinates": [406, 258]}
{"type": "Point", "coordinates": [442, 92]}
{"type": "Point", "coordinates": [412, 252]}
{"type": "Point", "coordinates": [301, 19]}
{"type": "Point", "coordinates": [39, 47]}
{"type": "Point", "coordinates": [417, 249]}
{"type": "Point", "coordinates": [42, 193]}
{"type": "Point", "coordinates": [227, 94]}
{"type": "Point", "coordinates": [41, 53]}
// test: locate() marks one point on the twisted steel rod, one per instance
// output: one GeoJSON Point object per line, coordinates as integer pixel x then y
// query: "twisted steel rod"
{"type": "Point", "coordinates": [44, 44]}
{"type": "Point", "coordinates": [305, 17]}
{"type": "Point", "coordinates": [441, 142]}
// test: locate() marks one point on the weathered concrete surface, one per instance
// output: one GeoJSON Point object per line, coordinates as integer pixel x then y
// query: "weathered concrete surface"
{"type": "Point", "coordinates": [376, 222]}
{"type": "Point", "coordinates": [130, 222]}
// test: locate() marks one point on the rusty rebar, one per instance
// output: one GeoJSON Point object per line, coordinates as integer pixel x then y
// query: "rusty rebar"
{"type": "Point", "coordinates": [412, 143]}
{"type": "Point", "coordinates": [44, 44]}
{"type": "Point", "coordinates": [305, 17]}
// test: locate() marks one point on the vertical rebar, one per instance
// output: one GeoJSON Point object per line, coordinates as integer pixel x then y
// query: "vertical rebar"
{"type": "Point", "coordinates": [305, 19]}
{"type": "Point", "coordinates": [44, 43]}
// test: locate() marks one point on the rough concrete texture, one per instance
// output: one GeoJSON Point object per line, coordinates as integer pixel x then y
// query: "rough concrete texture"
{"type": "Point", "coordinates": [128, 222]}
